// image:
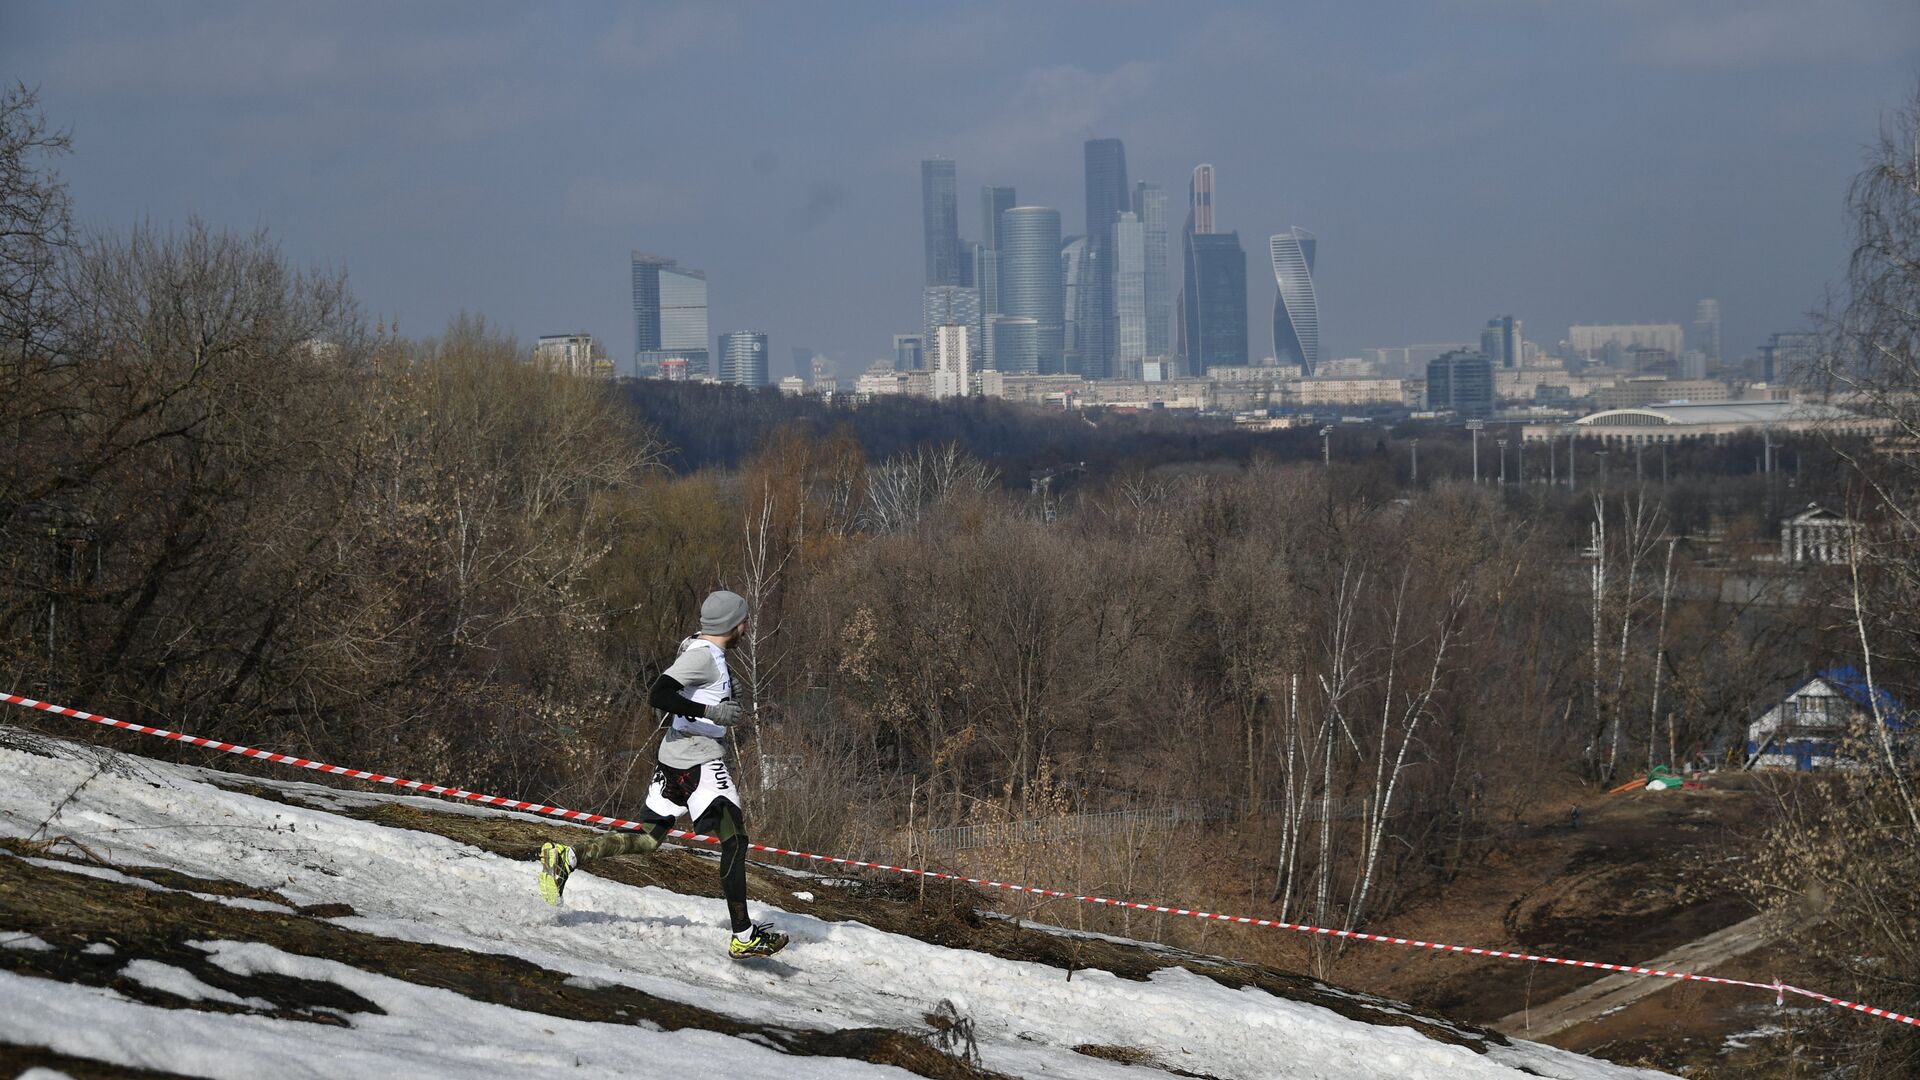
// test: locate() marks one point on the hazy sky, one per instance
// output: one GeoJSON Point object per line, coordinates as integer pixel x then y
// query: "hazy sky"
{"type": "Point", "coordinates": [1591, 161]}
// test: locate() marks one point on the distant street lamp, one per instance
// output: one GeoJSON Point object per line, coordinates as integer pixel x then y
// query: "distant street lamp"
{"type": "Point", "coordinates": [1602, 455]}
{"type": "Point", "coordinates": [1476, 426]}
{"type": "Point", "coordinates": [1416, 463]}
{"type": "Point", "coordinates": [1326, 445]}
{"type": "Point", "coordinates": [1503, 461]}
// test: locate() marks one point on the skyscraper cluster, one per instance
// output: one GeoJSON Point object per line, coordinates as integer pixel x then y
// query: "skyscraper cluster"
{"type": "Point", "coordinates": [1101, 304]}
{"type": "Point", "coordinates": [670, 328]}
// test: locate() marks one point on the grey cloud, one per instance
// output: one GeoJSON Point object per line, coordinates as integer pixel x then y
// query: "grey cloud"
{"type": "Point", "coordinates": [648, 37]}
{"type": "Point", "coordinates": [597, 200]}
{"type": "Point", "coordinates": [823, 201]}
{"type": "Point", "coordinates": [1055, 107]}
{"type": "Point", "coordinates": [1776, 32]}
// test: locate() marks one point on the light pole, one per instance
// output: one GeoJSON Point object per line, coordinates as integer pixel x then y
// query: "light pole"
{"type": "Point", "coordinates": [1415, 480]}
{"type": "Point", "coordinates": [1326, 445]}
{"type": "Point", "coordinates": [1503, 461]}
{"type": "Point", "coordinates": [1476, 426]}
{"type": "Point", "coordinates": [1602, 455]}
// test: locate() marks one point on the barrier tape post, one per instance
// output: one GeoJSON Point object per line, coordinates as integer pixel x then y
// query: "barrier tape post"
{"type": "Point", "coordinates": [1779, 988]}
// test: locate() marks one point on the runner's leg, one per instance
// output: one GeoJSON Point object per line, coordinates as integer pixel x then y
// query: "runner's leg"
{"type": "Point", "coordinates": [666, 800]}
{"type": "Point", "coordinates": [723, 820]}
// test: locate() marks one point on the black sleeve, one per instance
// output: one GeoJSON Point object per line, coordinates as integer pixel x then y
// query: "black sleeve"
{"type": "Point", "coordinates": [665, 695]}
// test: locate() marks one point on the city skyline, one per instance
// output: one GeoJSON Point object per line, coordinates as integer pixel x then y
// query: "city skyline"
{"type": "Point", "coordinates": [1670, 155]}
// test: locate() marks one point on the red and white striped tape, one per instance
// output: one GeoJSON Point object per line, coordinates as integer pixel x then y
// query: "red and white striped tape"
{"type": "Point", "coordinates": [1779, 989]}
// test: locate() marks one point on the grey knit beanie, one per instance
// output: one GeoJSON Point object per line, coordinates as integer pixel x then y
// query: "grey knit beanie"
{"type": "Point", "coordinates": [722, 612]}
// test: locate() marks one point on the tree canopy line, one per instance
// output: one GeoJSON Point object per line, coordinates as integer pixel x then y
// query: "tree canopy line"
{"type": "Point", "coordinates": [231, 506]}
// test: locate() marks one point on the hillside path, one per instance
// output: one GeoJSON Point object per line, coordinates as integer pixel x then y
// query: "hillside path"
{"type": "Point", "coordinates": [1596, 999]}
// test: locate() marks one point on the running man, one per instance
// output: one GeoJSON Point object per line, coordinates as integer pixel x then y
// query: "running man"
{"type": "Point", "coordinates": [690, 778]}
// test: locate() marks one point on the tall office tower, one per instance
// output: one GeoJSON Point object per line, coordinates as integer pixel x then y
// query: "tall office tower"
{"type": "Point", "coordinates": [1150, 203]}
{"type": "Point", "coordinates": [803, 359]}
{"type": "Point", "coordinates": [1129, 297]}
{"type": "Point", "coordinates": [1790, 357]}
{"type": "Point", "coordinates": [1030, 283]}
{"type": "Point", "coordinates": [1214, 306]}
{"type": "Point", "coordinates": [947, 305]}
{"type": "Point", "coordinates": [1296, 308]}
{"type": "Point", "coordinates": [986, 276]}
{"type": "Point", "coordinates": [969, 263]}
{"type": "Point", "coordinates": [994, 201]}
{"type": "Point", "coordinates": [1108, 196]}
{"type": "Point", "coordinates": [1500, 341]}
{"type": "Point", "coordinates": [1706, 329]}
{"type": "Point", "coordinates": [743, 358]}
{"type": "Point", "coordinates": [940, 217]}
{"type": "Point", "coordinates": [1462, 382]}
{"type": "Point", "coordinates": [909, 352]}
{"type": "Point", "coordinates": [669, 315]}
{"type": "Point", "coordinates": [1016, 347]}
{"type": "Point", "coordinates": [1076, 302]}
{"type": "Point", "coordinates": [1200, 200]}
{"type": "Point", "coordinates": [1199, 223]}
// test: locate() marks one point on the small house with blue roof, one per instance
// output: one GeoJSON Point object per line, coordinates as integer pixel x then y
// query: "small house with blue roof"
{"type": "Point", "coordinates": [1807, 729]}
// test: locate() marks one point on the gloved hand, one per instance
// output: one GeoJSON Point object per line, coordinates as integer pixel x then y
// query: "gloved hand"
{"type": "Point", "coordinates": [723, 713]}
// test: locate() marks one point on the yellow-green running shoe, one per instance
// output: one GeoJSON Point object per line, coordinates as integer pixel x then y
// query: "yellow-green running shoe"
{"type": "Point", "coordinates": [556, 865]}
{"type": "Point", "coordinates": [765, 942]}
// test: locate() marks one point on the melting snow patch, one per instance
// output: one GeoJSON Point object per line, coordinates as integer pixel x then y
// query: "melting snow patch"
{"type": "Point", "coordinates": [180, 982]}
{"type": "Point", "coordinates": [98, 948]}
{"type": "Point", "coordinates": [803, 896]}
{"type": "Point", "coordinates": [25, 943]}
{"type": "Point", "coordinates": [413, 885]}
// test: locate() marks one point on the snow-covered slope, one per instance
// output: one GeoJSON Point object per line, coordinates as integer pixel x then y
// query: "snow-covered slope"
{"type": "Point", "coordinates": [268, 974]}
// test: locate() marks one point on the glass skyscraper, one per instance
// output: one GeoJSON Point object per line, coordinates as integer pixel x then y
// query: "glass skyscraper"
{"type": "Point", "coordinates": [1706, 328]}
{"type": "Point", "coordinates": [949, 305]}
{"type": "Point", "coordinates": [1076, 302]}
{"type": "Point", "coordinates": [1016, 346]}
{"type": "Point", "coordinates": [1129, 297]}
{"type": "Point", "coordinates": [743, 358]}
{"type": "Point", "coordinates": [669, 314]}
{"type": "Point", "coordinates": [1150, 203]}
{"type": "Point", "coordinates": [940, 217]}
{"type": "Point", "coordinates": [909, 352]}
{"type": "Point", "coordinates": [1215, 302]}
{"type": "Point", "coordinates": [1500, 341]}
{"type": "Point", "coordinates": [1461, 382]}
{"type": "Point", "coordinates": [994, 201]}
{"type": "Point", "coordinates": [1199, 223]}
{"type": "Point", "coordinates": [1296, 309]}
{"type": "Point", "coordinates": [1200, 200]}
{"type": "Point", "coordinates": [1108, 196]}
{"type": "Point", "coordinates": [1030, 282]}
